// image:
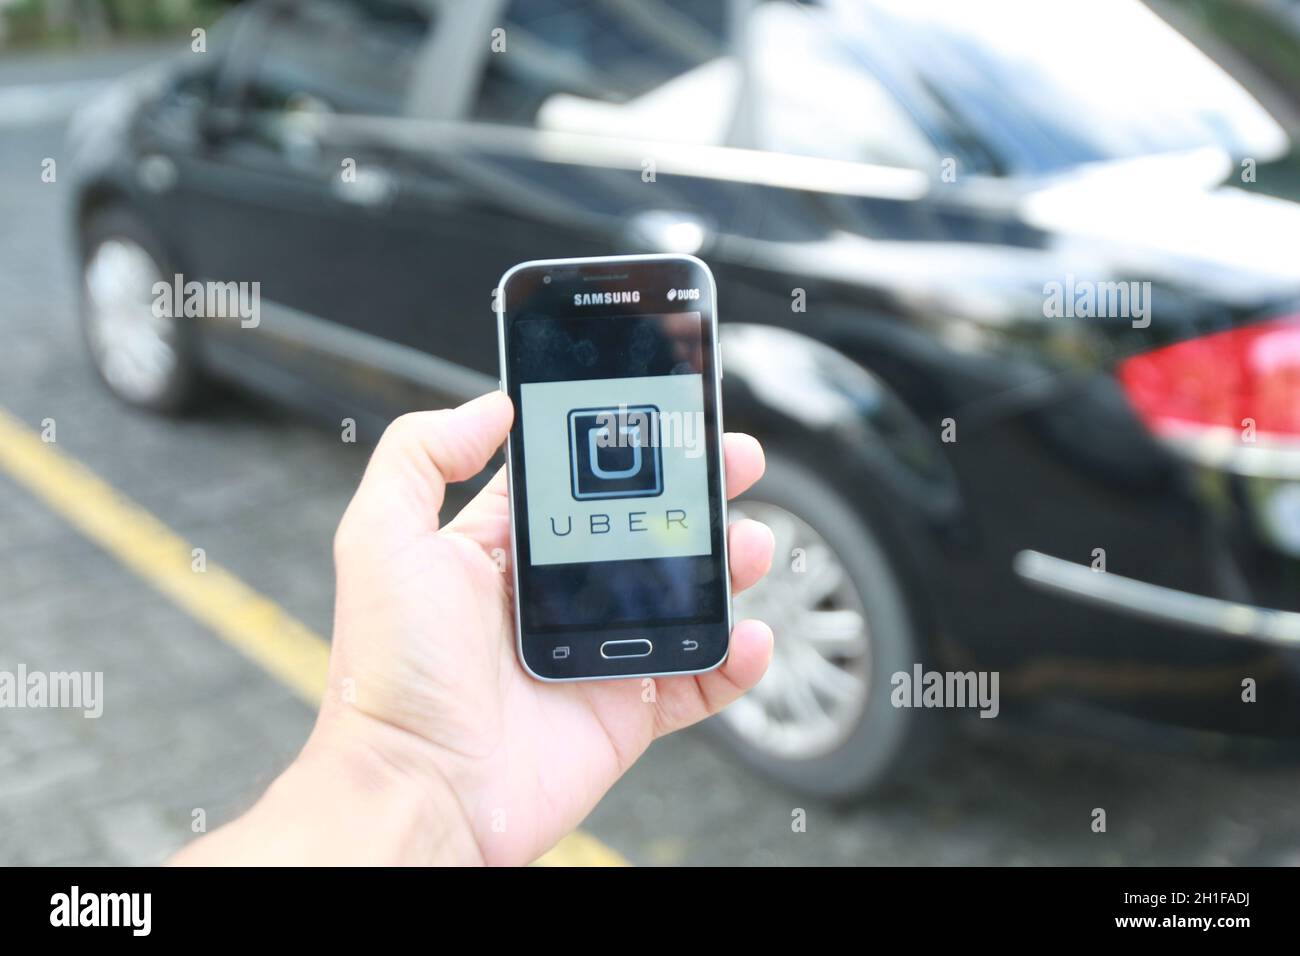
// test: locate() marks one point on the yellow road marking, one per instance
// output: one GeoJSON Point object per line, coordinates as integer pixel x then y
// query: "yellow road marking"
{"type": "Point", "coordinates": [256, 626]}
{"type": "Point", "coordinates": [581, 849]}
{"type": "Point", "coordinates": [252, 623]}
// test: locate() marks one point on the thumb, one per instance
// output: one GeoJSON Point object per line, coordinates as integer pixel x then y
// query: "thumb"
{"type": "Point", "coordinates": [421, 452]}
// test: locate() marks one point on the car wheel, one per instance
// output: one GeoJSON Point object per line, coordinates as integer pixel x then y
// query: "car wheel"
{"type": "Point", "coordinates": [821, 720]}
{"type": "Point", "coordinates": [145, 358]}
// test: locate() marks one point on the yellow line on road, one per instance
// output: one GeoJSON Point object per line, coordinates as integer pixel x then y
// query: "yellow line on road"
{"type": "Point", "coordinates": [252, 623]}
{"type": "Point", "coordinates": [256, 626]}
{"type": "Point", "coordinates": [581, 849]}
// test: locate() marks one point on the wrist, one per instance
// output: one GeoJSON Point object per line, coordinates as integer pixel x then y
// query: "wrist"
{"type": "Point", "coordinates": [358, 765]}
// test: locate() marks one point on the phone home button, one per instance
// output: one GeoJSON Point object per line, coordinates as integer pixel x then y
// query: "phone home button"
{"type": "Point", "coordinates": [636, 648]}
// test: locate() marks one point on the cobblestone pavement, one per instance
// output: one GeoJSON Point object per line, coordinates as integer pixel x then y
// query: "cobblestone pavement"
{"type": "Point", "coordinates": [190, 725]}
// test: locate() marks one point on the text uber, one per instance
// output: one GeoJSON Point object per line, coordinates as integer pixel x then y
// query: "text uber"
{"type": "Point", "coordinates": [636, 521]}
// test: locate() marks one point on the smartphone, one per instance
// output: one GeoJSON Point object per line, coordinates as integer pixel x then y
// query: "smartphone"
{"type": "Point", "coordinates": [615, 464]}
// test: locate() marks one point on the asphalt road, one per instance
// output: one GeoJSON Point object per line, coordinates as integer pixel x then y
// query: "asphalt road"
{"type": "Point", "coordinates": [189, 724]}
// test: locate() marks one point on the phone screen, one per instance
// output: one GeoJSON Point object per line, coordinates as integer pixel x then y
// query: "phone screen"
{"type": "Point", "coordinates": [617, 488]}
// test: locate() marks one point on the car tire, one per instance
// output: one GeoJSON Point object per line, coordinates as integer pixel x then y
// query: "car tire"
{"type": "Point", "coordinates": [873, 742]}
{"type": "Point", "coordinates": [145, 359]}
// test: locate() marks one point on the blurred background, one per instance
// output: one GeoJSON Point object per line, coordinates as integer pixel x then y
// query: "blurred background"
{"type": "Point", "coordinates": [1010, 290]}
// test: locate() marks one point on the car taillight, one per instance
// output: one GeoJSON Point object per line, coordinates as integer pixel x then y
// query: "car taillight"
{"type": "Point", "coordinates": [1224, 380]}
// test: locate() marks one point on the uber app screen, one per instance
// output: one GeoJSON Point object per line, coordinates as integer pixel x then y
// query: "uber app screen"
{"type": "Point", "coordinates": [616, 468]}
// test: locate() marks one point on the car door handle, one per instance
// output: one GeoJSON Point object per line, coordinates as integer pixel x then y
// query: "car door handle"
{"type": "Point", "coordinates": [364, 185]}
{"type": "Point", "coordinates": [668, 230]}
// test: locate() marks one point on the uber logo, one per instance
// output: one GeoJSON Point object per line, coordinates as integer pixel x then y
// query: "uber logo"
{"type": "Point", "coordinates": [614, 452]}
{"type": "Point", "coordinates": [606, 480]}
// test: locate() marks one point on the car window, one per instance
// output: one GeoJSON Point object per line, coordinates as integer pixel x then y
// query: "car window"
{"type": "Point", "coordinates": [340, 56]}
{"type": "Point", "coordinates": [666, 70]}
{"type": "Point", "coordinates": [812, 99]}
{"type": "Point", "coordinates": [1032, 87]}
{"type": "Point", "coordinates": [581, 66]}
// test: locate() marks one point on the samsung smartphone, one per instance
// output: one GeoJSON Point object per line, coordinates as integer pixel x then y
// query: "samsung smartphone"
{"type": "Point", "coordinates": [618, 511]}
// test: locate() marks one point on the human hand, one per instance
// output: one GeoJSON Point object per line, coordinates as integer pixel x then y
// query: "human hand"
{"type": "Point", "coordinates": [429, 711]}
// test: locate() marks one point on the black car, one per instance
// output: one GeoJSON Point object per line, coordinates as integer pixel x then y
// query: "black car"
{"type": "Point", "coordinates": [1010, 292]}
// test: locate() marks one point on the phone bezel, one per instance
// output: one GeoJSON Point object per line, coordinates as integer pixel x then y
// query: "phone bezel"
{"type": "Point", "coordinates": [714, 636]}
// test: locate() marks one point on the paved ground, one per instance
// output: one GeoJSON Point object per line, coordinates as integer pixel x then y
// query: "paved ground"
{"type": "Point", "coordinates": [190, 724]}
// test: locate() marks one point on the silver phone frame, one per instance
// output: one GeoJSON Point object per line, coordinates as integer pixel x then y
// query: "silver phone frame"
{"type": "Point", "coordinates": [504, 385]}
